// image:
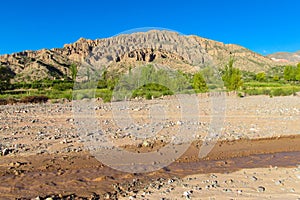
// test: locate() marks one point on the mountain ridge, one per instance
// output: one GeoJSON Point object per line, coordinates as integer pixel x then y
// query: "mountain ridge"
{"type": "Point", "coordinates": [285, 57]}
{"type": "Point", "coordinates": [55, 63]}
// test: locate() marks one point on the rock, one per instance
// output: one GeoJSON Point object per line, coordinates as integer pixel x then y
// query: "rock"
{"type": "Point", "coordinates": [107, 195]}
{"type": "Point", "coordinates": [227, 190]}
{"type": "Point", "coordinates": [34, 120]}
{"type": "Point", "coordinates": [146, 144]}
{"type": "Point", "coordinates": [179, 123]}
{"type": "Point", "coordinates": [261, 189]}
{"type": "Point", "coordinates": [16, 172]}
{"type": "Point", "coordinates": [214, 176]}
{"type": "Point", "coordinates": [5, 152]}
{"type": "Point", "coordinates": [15, 164]}
{"type": "Point", "coordinates": [230, 181]}
{"type": "Point", "coordinates": [279, 182]}
{"type": "Point", "coordinates": [187, 194]}
{"type": "Point", "coordinates": [64, 141]}
{"type": "Point", "coordinates": [253, 178]}
{"type": "Point", "coordinates": [170, 181]}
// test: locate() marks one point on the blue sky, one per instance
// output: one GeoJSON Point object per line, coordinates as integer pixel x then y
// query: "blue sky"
{"type": "Point", "coordinates": [264, 26]}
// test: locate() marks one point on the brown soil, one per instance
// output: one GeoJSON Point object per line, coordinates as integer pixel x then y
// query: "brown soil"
{"type": "Point", "coordinates": [82, 174]}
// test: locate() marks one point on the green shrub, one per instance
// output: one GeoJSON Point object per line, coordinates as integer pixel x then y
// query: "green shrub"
{"type": "Point", "coordinates": [258, 91]}
{"type": "Point", "coordinates": [282, 92]}
{"type": "Point", "coordinates": [63, 86]}
{"type": "Point", "coordinates": [5, 76]}
{"type": "Point", "coordinates": [261, 76]}
{"type": "Point", "coordinates": [104, 94]}
{"type": "Point", "coordinates": [241, 95]}
{"type": "Point", "coordinates": [148, 95]}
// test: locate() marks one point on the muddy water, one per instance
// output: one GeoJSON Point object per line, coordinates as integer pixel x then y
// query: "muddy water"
{"type": "Point", "coordinates": [82, 174]}
{"type": "Point", "coordinates": [283, 159]}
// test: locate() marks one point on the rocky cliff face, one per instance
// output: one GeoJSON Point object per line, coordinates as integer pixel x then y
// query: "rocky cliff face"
{"type": "Point", "coordinates": [187, 53]}
{"type": "Point", "coordinates": [157, 47]}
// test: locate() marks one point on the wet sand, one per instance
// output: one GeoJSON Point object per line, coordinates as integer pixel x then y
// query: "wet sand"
{"type": "Point", "coordinates": [83, 175]}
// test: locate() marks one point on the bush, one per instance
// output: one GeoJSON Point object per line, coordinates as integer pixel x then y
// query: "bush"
{"type": "Point", "coordinates": [148, 95]}
{"type": "Point", "coordinates": [152, 89]}
{"type": "Point", "coordinates": [276, 78]}
{"type": "Point", "coordinates": [63, 86]}
{"type": "Point", "coordinates": [212, 86]}
{"type": "Point", "coordinates": [5, 75]}
{"type": "Point", "coordinates": [241, 95]}
{"type": "Point", "coordinates": [104, 94]}
{"type": "Point", "coordinates": [258, 92]}
{"type": "Point", "coordinates": [261, 76]}
{"type": "Point", "coordinates": [80, 96]}
{"type": "Point", "coordinates": [272, 92]}
{"type": "Point", "coordinates": [282, 92]}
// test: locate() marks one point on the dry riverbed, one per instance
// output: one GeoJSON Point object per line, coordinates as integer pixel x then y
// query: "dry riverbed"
{"type": "Point", "coordinates": [256, 154]}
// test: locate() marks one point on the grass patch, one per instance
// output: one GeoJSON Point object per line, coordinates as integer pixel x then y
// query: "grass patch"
{"type": "Point", "coordinates": [263, 84]}
{"type": "Point", "coordinates": [275, 91]}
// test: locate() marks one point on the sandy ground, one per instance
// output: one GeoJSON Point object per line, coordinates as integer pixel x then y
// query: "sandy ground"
{"type": "Point", "coordinates": [256, 156]}
{"type": "Point", "coordinates": [262, 183]}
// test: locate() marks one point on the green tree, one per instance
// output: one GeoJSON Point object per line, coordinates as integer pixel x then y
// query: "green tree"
{"type": "Point", "coordinates": [297, 72]}
{"type": "Point", "coordinates": [5, 75]}
{"type": "Point", "coordinates": [148, 74]}
{"type": "Point", "coordinates": [276, 78]}
{"type": "Point", "coordinates": [261, 76]}
{"type": "Point", "coordinates": [181, 81]}
{"type": "Point", "coordinates": [74, 70]}
{"type": "Point", "coordinates": [232, 77]}
{"type": "Point", "coordinates": [102, 83]}
{"type": "Point", "coordinates": [289, 73]}
{"type": "Point", "coordinates": [199, 84]}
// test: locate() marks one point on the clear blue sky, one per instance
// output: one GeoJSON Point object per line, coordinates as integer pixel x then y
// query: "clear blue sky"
{"type": "Point", "coordinates": [264, 26]}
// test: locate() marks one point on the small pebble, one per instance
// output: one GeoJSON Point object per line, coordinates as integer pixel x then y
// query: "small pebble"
{"type": "Point", "coordinates": [187, 194]}
{"type": "Point", "coordinates": [261, 189]}
{"type": "Point", "coordinates": [227, 190]}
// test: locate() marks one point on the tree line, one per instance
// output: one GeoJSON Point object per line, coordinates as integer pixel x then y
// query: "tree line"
{"type": "Point", "coordinates": [149, 81]}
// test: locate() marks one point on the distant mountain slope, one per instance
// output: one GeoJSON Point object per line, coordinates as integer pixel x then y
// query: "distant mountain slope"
{"type": "Point", "coordinates": [55, 63]}
{"type": "Point", "coordinates": [245, 59]}
{"type": "Point", "coordinates": [45, 63]}
{"type": "Point", "coordinates": [285, 57]}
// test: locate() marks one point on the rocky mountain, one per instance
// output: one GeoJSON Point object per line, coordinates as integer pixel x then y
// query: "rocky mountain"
{"type": "Point", "coordinates": [186, 53]}
{"type": "Point", "coordinates": [47, 63]}
{"type": "Point", "coordinates": [285, 57]}
{"type": "Point", "coordinates": [245, 59]}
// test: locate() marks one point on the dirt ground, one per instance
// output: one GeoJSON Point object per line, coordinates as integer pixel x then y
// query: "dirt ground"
{"type": "Point", "coordinates": [256, 154]}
